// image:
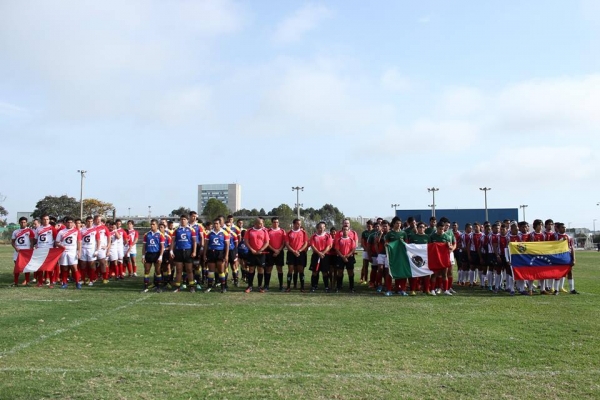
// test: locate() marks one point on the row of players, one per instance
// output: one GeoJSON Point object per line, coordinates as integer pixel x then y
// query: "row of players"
{"type": "Point", "coordinates": [479, 249]}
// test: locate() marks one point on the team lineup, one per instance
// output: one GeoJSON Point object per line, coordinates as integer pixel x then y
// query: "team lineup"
{"type": "Point", "coordinates": [198, 256]}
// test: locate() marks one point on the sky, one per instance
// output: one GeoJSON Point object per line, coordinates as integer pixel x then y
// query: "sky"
{"type": "Point", "coordinates": [364, 104]}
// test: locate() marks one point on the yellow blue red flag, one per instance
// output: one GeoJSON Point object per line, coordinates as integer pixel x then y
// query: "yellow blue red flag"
{"type": "Point", "coordinates": [540, 260]}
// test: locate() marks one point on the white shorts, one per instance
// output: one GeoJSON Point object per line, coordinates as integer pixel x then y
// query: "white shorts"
{"type": "Point", "coordinates": [113, 255]}
{"type": "Point", "coordinates": [87, 255]}
{"type": "Point", "coordinates": [452, 261]}
{"type": "Point", "coordinates": [365, 256]}
{"type": "Point", "coordinates": [68, 258]}
{"type": "Point", "coordinates": [382, 260]}
{"type": "Point", "coordinates": [15, 254]}
{"type": "Point", "coordinates": [120, 252]}
{"type": "Point", "coordinates": [374, 260]}
{"type": "Point", "coordinates": [101, 254]}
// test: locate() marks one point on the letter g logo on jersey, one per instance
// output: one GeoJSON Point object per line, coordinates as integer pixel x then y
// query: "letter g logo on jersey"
{"type": "Point", "coordinates": [21, 240]}
{"type": "Point", "coordinates": [69, 240]}
{"type": "Point", "coordinates": [184, 236]}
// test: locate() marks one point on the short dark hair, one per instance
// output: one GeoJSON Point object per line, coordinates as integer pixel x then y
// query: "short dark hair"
{"type": "Point", "coordinates": [67, 219]}
{"type": "Point", "coordinates": [295, 220]}
{"type": "Point", "coordinates": [23, 219]}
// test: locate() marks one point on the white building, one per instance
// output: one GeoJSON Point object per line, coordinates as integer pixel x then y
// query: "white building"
{"type": "Point", "coordinates": [230, 194]}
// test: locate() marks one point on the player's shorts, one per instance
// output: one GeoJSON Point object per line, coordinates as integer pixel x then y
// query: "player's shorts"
{"type": "Point", "coordinates": [492, 260]}
{"type": "Point", "coordinates": [475, 262]}
{"type": "Point", "coordinates": [324, 265]}
{"type": "Point", "coordinates": [101, 254]}
{"type": "Point", "coordinates": [87, 255]}
{"type": "Point", "coordinates": [68, 258]}
{"type": "Point", "coordinates": [213, 256]}
{"type": "Point", "coordinates": [382, 260]}
{"type": "Point", "coordinates": [120, 252]}
{"type": "Point", "coordinates": [133, 251]}
{"type": "Point", "coordinates": [255, 260]}
{"type": "Point", "coordinates": [294, 260]}
{"type": "Point", "coordinates": [374, 260]}
{"type": "Point", "coordinates": [242, 255]}
{"type": "Point", "coordinates": [233, 255]}
{"type": "Point", "coordinates": [333, 259]}
{"type": "Point", "coordinates": [349, 265]}
{"type": "Point", "coordinates": [152, 258]}
{"type": "Point", "coordinates": [365, 256]}
{"type": "Point", "coordinates": [457, 256]}
{"type": "Point", "coordinates": [183, 255]}
{"type": "Point", "coordinates": [275, 260]}
{"type": "Point", "coordinates": [464, 257]}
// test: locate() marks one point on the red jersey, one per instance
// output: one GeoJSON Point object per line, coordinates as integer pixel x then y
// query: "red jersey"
{"type": "Point", "coordinates": [104, 234]}
{"type": "Point", "coordinates": [133, 237]}
{"type": "Point", "coordinates": [89, 237]}
{"type": "Point", "coordinates": [351, 234]}
{"type": "Point", "coordinates": [524, 237]}
{"type": "Point", "coordinates": [503, 244]}
{"type": "Point", "coordinates": [564, 236]}
{"type": "Point", "coordinates": [69, 238]}
{"type": "Point", "coordinates": [345, 246]}
{"type": "Point", "coordinates": [277, 238]}
{"type": "Point", "coordinates": [549, 236]}
{"type": "Point", "coordinates": [494, 243]}
{"type": "Point", "coordinates": [514, 238]}
{"type": "Point", "coordinates": [477, 241]}
{"type": "Point", "coordinates": [465, 241]}
{"type": "Point", "coordinates": [320, 242]}
{"type": "Point", "coordinates": [124, 235]}
{"type": "Point", "coordinates": [537, 237]}
{"type": "Point", "coordinates": [256, 238]}
{"type": "Point", "coordinates": [23, 238]}
{"type": "Point", "coordinates": [457, 236]}
{"type": "Point", "coordinates": [297, 239]}
{"type": "Point", "coordinates": [45, 236]}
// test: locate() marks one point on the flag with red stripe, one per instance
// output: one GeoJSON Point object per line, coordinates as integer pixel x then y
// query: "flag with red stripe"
{"type": "Point", "coordinates": [540, 260]}
{"type": "Point", "coordinates": [41, 259]}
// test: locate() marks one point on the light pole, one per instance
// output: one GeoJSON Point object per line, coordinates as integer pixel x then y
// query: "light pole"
{"type": "Point", "coordinates": [149, 213]}
{"type": "Point", "coordinates": [128, 212]}
{"type": "Point", "coordinates": [523, 206]}
{"type": "Point", "coordinates": [298, 205]}
{"type": "Point", "coordinates": [82, 172]}
{"type": "Point", "coordinates": [433, 190]}
{"type": "Point", "coordinates": [485, 190]}
{"type": "Point", "coordinates": [594, 234]}
{"type": "Point", "coordinates": [395, 207]}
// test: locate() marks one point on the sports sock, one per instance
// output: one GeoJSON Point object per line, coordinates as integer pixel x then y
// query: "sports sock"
{"type": "Point", "coordinates": [105, 275]}
{"type": "Point", "coordinates": [210, 279]}
{"type": "Point", "coordinates": [250, 279]}
{"type": "Point", "coordinates": [27, 276]}
{"type": "Point", "coordinates": [77, 276]}
{"type": "Point", "coordinates": [267, 279]}
{"type": "Point", "coordinates": [373, 275]}
{"type": "Point", "coordinates": [295, 279]}
{"type": "Point", "coordinates": [388, 282]}
{"type": "Point", "coordinates": [314, 281]}
{"type": "Point", "coordinates": [65, 277]}
{"type": "Point", "coordinates": [497, 281]}
{"type": "Point", "coordinates": [561, 283]}
{"type": "Point", "coordinates": [460, 275]}
{"type": "Point", "coordinates": [16, 275]}
{"type": "Point", "coordinates": [158, 279]}
{"type": "Point", "coordinates": [571, 284]}
{"type": "Point", "coordinates": [325, 280]}
{"type": "Point", "coordinates": [301, 280]}
{"type": "Point", "coordinates": [510, 282]}
{"type": "Point", "coordinates": [280, 279]}
{"type": "Point", "coordinates": [351, 281]}
{"type": "Point", "coordinates": [471, 277]}
{"type": "Point", "coordinates": [403, 284]}
{"type": "Point", "coordinates": [289, 280]}
{"type": "Point", "coordinates": [260, 279]}
{"type": "Point", "coordinates": [223, 280]}
{"type": "Point", "coordinates": [339, 282]}
{"type": "Point", "coordinates": [147, 280]}
{"type": "Point", "coordinates": [378, 278]}
{"type": "Point", "coordinates": [481, 279]}
{"type": "Point", "coordinates": [236, 276]}
{"type": "Point", "coordinates": [397, 284]}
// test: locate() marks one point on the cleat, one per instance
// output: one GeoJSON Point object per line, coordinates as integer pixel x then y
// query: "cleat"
{"type": "Point", "coordinates": [495, 291]}
{"type": "Point", "coordinates": [223, 289]}
{"type": "Point", "coordinates": [432, 293]}
{"type": "Point", "coordinates": [379, 289]}
{"type": "Point", "coordinates": [192, 289]}
{"type": "Point", "coordinates": [327, 290]}
{"type": "Point", "coordinates": [556, 293]}
{"type": "Point", "coordinates": [413, 293]}
{"type": "Point", "coordinates": [403, 293]}
{"type": "Point", "coordinates": [312, 290]}
{"type": "Point", "coordinates": [39, 284]}
{"type": "Point", "coordinates": [371, 285]}
{"type": "Point", "coordinates": [574, 291]}
{"type": "Point", "coordinates": [13, 285]}
{"type": "Point", "coordinates": [452, 291]}
{"type": "Point", "coordinates": [338, 290]}
{"type": "Point", "coordinates": [389, 293]}
{"type": "Point", "coordinates": [157, 289]}
{"type": "Point", "coordinates": [198, 287]}
{"type": "Point", "coordinates": [105, 281]}
{"type": "Point", "coordinates": [261, 290]}
{"type": "Point", "coordinates": [447, 293]}
{"type": "Point", "coordinates": [438, 291]}
{"type": "Point", "coordinates": [208, 289]}
{"type": "Point", "coordinates": [512, 292]}
{"type": "Point", "coordinates": [351, 290]}
{"type": "Point", "coordinates": [281, 289]}
{"type": "Point", "coordinates": [177, 290]}
{"type": "Point", "coordinates": [302, 290]}
{"type": "Point", "coordinates": [90, 283]}
{"type": "Point", "coordinates": [564, 290]}
{"type": "Point", "coordinates": [78, 286]}
{"type": "Point", "coordinates": [288, 290]}
{"type": "Point", "coordinates": [64, 286]}
{"type": "Point", "coordinates": [135, 274]}
{"type": "Point", "coordinates": [543, 292]}
{"type": "Point", "coordinates": [248, 289]}
{"type": "Point", "coordinates": [146, 290]}
{"type": "Point", "coordinates": [236, 283]}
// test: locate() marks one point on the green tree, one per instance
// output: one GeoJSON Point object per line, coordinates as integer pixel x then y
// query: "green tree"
{"type": "Point", "coordinates": [285, 214]}
{"type": "Point", "coordinates": [331, 215]}
{"type": "Point", "coordinates": [93, 207]}
{"type": "Point", "coordinates": [180, 211]}
{"type": "Point", "coordinates": [3, 213]}
{"type": "Point", "coordinates": [214, 208]}
{"type": "Point", "coordinates": [59, 207]}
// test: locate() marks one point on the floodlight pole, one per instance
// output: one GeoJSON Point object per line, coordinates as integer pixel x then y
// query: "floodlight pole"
{"type": "Point", "coordinates": [82, 172]}
{"type": "Point", "coordinates": [523, 206]}
{"type": "Point", "coordinates": [433, 190]}
{"type": "Point", "coordinates": [298, 189]}
{"type": "Point", "coordinates": [485, 190]}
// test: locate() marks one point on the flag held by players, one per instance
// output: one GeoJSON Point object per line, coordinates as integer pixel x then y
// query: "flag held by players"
{"type": "Point", "coordinates": [42, 259]}
{"type": "Point", "coordinates": [540, 260]}
{"type": "Point", "coordinates": [416, 260]}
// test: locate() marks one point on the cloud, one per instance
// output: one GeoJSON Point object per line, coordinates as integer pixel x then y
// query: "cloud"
{"type": "Point", "coordinates": [302, 21]}
{"type": "Point", "coordinates": [392, 80]}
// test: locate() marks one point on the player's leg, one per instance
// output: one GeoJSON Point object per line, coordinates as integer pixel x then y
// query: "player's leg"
{"type": "Point", "coordinates": [221, 268]}
{"type": "Point", "coordinates": [291, 260]}
{"type": "Point", "coordinates": [314, 278]}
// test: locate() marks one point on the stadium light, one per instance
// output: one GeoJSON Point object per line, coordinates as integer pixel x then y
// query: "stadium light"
{"type": "Point", "coordinates": [485, 190]}
{"type": "Point", "coordinates": [298, 205]}
{"type": "Point", "coordinates": [594, 231]}
{"type": "Point", "coordinates": [523, 206]}
{"type": "Point", "coordinates": [149, 213]}
{"type": "Point", "coordinates": [395, 206]}
{"type": "Point", "coordinates": [82, 172]}
{"type": "Point", "coordinates": [433, 190]}
{"type": "Point", "coordinates": [128, 212]}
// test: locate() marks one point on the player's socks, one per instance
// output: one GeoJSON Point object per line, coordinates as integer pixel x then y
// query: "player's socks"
{"type": "Point", "coordinates": [497, 281]}
{"type": "Point", "coordinates": [134, 268]}
{"type": "Point", "coordinates": [210, 279]}
{"type": "Point", "coordinates": [158, 279]}
{"type": "Point", "coordinates": [27, 277]}
{"type": "Point", "coordinates": [250, 277]}
{"type": "Point", "coordinates": [472, 277]}
{"type": "Point", "coordinates": [388, 282]}
{"type": "Point", "coordinates": [236, 276]}
{"type": "Point", "coordinates": [280, 279]}
{"type": "Point", "coordinates": [314, 281]}
{"type": "Point", "coordinates": [129, 268]}
{"type": "Point", "coordinates": [244, 274]}
{"type": "Point", "coordinates": [339, 282]}
{"type": "Point", "coordinates": [267, 279]}
{"type": "Point", "coordinates": [260, 279]}
{"type": "Point", "coordinates": [427, 284]}
{"type": "Point", "coordinates": [562, 283]}
{"type": "Point", "coordinates": [373, 275]}
{"type": "Point", "coordinates": [16, 275]}
{"type": "Point", "coordinates": [481, 279]}
{"type": "Point", "coordinates": [147, 280]}
{"type": "Point", "coordinates": [295, 279]}
{"type": "Point", "coordinates": [64, 277]}
{"type": "Point", "coordinates": [301, 280]}
{"type": "Point", "coordinates": [105, 275]}
{"type": "Point", "coordinates": [223, 280]}
{"type": "Point", "coordinates": [325, 280]}
{"type": "Point", "coordinates": [403, 282]}
{"type": "Point", "coordinates": [197, 276]}
{"type": "Point", "coordinates": [77, 276]}
{"type": "Point", "coordinates": [351, 282]}
{"type": "Point", "coordinates": [289, 280]}
{"type": "Point", "coordinates": [56, 274]}
{"type": "Point", "coordinates": [378, 277]}
{"type": "Point", "coordinates": [510, 282]}
{"type": "Point", "coordinates": [397, 284]}
{"type": "Point", "coordinates": [571, 284]}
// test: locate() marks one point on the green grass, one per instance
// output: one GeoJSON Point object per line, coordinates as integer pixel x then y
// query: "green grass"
{"type": "Point", "coordinates": [111, 342]}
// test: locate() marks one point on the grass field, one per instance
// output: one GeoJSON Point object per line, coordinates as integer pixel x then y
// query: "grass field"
{"type": "Point", "coordinates": [111, 342]}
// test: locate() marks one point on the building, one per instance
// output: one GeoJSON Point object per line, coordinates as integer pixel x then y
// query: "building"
{"type": "Point", "coordinates": [26, 214]}
{"type": "Point", "coordinates": [462, 216]}
{"type": "Point", "coordinates": [230, 194]}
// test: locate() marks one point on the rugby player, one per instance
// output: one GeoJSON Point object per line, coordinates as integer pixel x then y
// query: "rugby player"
{"type": "Point", "coordinates": [561, 234]}
{"type": "Point", "coordinates": [131, 249]}
{"type": "Point", "coordinates": [216, 253]}
{"type": "Point", "coordinates": [257, 241]}
{"type": "Point", "coordinates": [182, 251]}
{"type": "Point", "coordinates": [153, 247]}
{"type": "Point", "coordinates": [44, 238]}
{"type": "Point", "coordinates": [90, 245]}
{"type": "Point", "coordinates": [345, 247]}
{"type": "Point", "coordinates": [364, 273]}
{"type": "Point", "coordinates": [22, 239]}
{"type": "Point", "coordinates": [442, 237]}
{"type": "Point", "coordinates": [296, 243]}
{"type": "Point", "coordinates": [69, 239]}
{"type": "Point", "coordinates": [275, 256]}
{"type": "Point", "coordinates": [320, 243]}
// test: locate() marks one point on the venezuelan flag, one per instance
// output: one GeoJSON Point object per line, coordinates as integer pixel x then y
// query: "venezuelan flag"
{"type": "Point", "coordinates": [540, 260]}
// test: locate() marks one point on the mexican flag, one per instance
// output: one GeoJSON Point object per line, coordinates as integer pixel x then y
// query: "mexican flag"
{"type": "Point", "coordinates": [416, 260]}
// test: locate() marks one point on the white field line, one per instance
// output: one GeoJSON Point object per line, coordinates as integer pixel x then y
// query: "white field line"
{"type": "Point", "coordinates": [261, 305]}
{"type": "Point", "coordinates": [509, 373]}
{"type": "Point", "coordinates": [45, 300]}
{"type": "Point", "coordinates": [71, 326]}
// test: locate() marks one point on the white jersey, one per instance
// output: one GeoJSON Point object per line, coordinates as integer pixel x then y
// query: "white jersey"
{"type": "Point", "coordinates": [89, 237]}
{"type": "Point", "coordinates": [69, 238]}
{"type": "Point", "coordinates": [23, 238]}
{"type": "Point", "coordinates": [45, 236]}
{"type": "Point", "coordinates": [103, 234]}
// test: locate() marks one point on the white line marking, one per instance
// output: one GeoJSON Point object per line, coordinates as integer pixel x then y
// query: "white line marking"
{"type": "Point", "coordinates": [47, 300]}
{"type": "Point", "coordinates": [72, 325]}
{"type": "Point", "coordinates": [516, 373]}
{"type": "Point", "coordinates": [262, 305]}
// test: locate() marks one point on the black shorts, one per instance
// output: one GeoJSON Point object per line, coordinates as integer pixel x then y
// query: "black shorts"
{"type": "Point", "coordinates": [233, 253]}
{"type": "Point", "coordinates": [333, 260]}
{"type": "Point", "coordinates": [151, 258]}
{"type": "Point", "coordinates": [242, 255]}
{"type": "Point", "coordinates": [492, 260]}
{"type": "Point", "coordinates": [296, 261]}
{"type": "Point", "coordinates": [349, 265]}
{"type": "Point", "coordinates": [255, 260]}
{"type": "Point", "coordinates": [274, 260]}
{"type": "Point", "coordinates": [323, 265]}
{"type": "Point", "coordinates": [183, 256]}
{"type": "Point", "coordinates": [213, 256]}
{"type": "Point", "coordinates": [475, 261]}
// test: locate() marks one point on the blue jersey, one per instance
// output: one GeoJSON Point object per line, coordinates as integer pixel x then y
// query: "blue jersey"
{"type": "Point", "coordinates": [153, 240]}
{"type": "Point", "coordinates": [183, 237]}
{"type": "Point", "coordinates": [216, 240]}
{"type": "Point", "coordinates": [233, 240]}
{"type": "Point", "coordinates": [242, 248]}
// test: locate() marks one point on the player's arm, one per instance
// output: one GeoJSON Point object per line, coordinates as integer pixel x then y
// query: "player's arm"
{"type": "Point", "coordinates": [267, 242]}
{"type": "Point", "coordinates": [144, 249]}
{"type": "Point", "coordinates": [227, 239]}
{"type": "Point", "coordinates": [305, 244]}
{"type": "Point", "coordinates": [205, 245]}
{"type": "Point", "coordinates": [108, 240]}
{"type": "Point", "coordinates": [97, 243]}
{"type": "Point", "coordinates": [78, 245]}
{"type": "Point", "coordinates": [162, 248]}
{"type": "Point", "coordinates": [194, 243]}
{"type": "Point", "coordinates": [328, 247]}
{"type": "Point", "coordinates": [58, 242]}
